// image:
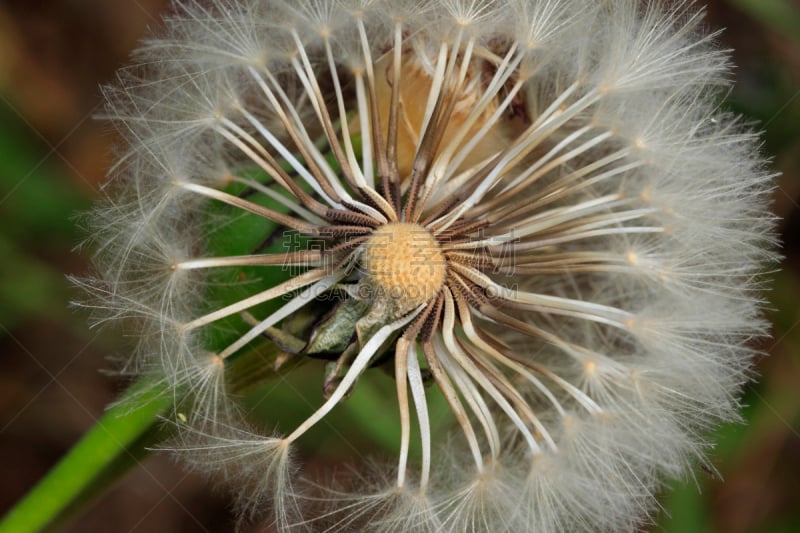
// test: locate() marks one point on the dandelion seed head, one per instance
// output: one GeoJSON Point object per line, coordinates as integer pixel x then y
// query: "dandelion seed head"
{"type": "Point", "coordinates": [536, 208]}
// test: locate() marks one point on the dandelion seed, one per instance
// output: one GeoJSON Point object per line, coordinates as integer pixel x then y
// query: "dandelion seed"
{"type": "Point", "coordinates": [536, 206]}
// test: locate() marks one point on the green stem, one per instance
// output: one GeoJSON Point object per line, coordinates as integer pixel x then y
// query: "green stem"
{"type": "Point", "coordinates": [108, 448]}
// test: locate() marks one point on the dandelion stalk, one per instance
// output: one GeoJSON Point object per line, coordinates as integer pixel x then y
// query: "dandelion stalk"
{"type": "Point", "coordinates": [124, 436]}
{"type": "Point", "coordinates": [116, 443]}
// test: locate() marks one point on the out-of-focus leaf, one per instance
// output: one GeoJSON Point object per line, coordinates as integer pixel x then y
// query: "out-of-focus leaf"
{"type": "Point", "coordinates": [109, 447]}
{"type": "Point", "coordinates": [778, 15]}
{"type": "Point", "coordinates": [28, 287]}
{"type": "Point", "coordinates": [35, 202]}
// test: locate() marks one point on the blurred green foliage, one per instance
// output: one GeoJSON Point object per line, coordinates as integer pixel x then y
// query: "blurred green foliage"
{"type": "Point", "coordinates": [37, 206]}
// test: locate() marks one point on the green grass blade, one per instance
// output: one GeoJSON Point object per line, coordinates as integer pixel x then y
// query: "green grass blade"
{"type": "Point", "coordinates": [113, 444]}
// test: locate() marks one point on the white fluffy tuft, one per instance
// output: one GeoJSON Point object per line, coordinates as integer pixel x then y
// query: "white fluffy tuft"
{"type": "Point", "coordinates": [604, 222]}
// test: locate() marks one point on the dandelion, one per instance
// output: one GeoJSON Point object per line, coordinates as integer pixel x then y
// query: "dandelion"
{"type": "Point", "coordinates": [535, 207]}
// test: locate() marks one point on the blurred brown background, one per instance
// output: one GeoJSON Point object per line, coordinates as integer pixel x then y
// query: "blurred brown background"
{"type": "Point", "coordinates": [53, 156]}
